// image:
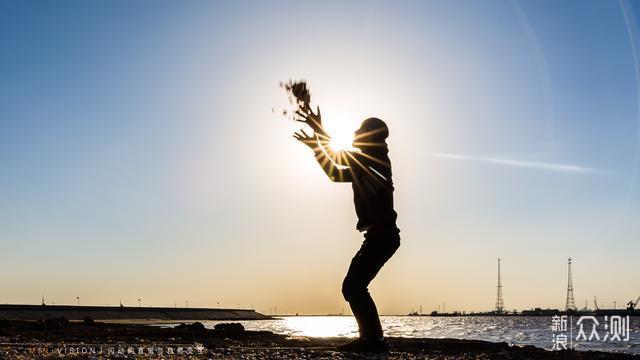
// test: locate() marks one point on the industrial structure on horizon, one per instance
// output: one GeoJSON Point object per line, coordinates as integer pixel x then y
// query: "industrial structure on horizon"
{"type": "Point", "coordinates": [570, 304]}
{"type": "Point", "coordinates": [499, 301]}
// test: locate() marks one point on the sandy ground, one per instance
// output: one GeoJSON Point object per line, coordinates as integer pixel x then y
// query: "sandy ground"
{"type": "Point", "coordinates": [56, 339]}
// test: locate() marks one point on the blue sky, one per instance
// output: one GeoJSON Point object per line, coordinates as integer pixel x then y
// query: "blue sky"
{"type": "Point", "coordinates": [140, 157]}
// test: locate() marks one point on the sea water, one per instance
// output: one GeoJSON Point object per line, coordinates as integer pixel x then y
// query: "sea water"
{"type": "Point", "coordinates": [517, 330]}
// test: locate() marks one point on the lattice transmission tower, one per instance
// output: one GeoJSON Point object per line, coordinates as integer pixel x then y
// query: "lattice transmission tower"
{"type": "Point", "coordinates": [571, 303]}
{"type": "Point", "coordinates": [499, 300]}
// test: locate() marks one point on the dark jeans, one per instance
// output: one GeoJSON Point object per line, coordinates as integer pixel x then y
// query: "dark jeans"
{"type": "Point", "coordinates": [379, 245]}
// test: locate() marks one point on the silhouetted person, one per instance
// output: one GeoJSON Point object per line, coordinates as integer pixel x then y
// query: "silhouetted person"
{"type": "Point", "coordinates": [369, 172]}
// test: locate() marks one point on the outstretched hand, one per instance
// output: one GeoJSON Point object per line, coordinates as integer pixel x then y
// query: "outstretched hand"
{"type": "Point", "coordinates": [303, 137]}
{"type": "Point", "coordinates": [314, 120]}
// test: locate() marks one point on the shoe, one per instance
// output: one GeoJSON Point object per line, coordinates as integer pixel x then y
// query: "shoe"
{"type": "Point", "coordinates": [361, 345]}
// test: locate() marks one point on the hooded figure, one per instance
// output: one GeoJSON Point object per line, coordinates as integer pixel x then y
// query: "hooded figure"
{"type": "Point", "coordinates": [369, 172]}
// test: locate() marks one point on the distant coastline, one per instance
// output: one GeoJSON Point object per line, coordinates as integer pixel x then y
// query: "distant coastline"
{"type": "Point", "coordinates": [538, 312]}
{"type": "Point", "coordinates": [71, 312]}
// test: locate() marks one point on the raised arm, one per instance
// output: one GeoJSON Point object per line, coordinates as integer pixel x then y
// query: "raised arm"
{"type": "Point", "coordinates": [334, 172]}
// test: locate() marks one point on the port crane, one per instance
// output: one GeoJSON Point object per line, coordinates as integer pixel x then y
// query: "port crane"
{"type": "Point", "coordinates": [632, 305]}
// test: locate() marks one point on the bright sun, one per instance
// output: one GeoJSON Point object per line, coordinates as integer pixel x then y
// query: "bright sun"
{"type": "Point", "coordinates": [341, 140]}
{"type": "Point", "coordinates": [341, 132]}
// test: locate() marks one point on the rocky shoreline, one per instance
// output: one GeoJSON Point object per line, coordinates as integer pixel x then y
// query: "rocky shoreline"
{"type": "Point", "coordinates": [95, 340]}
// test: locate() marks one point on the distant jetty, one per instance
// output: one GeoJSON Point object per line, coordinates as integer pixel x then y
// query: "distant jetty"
{"type": "Point", "coordinates": [70, 312]}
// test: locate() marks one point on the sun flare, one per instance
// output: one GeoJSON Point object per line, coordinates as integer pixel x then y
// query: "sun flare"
{"type": "Point", "coordinates": [341, 140]}
{"type": "Point", "coordinates": [341, 129]}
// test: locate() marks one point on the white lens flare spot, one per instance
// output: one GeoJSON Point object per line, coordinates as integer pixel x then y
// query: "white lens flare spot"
{"type": "Point", "coordinates": [341, 128]}
{"type": "Point", "coordinates": [341, 141]}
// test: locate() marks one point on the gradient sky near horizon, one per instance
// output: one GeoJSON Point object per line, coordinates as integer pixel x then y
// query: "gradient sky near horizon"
{"type": "Point", "coordinates": [140, 157]}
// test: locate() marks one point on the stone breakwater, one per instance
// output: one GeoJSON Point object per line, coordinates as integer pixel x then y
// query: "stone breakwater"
{"type": "Point", "coordinates": [41, 312]}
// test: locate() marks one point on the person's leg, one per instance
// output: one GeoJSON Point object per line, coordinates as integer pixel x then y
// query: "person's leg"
{"type": "Point", "coordinates": [354, 289]}
{"type": "Point", "coordinates": [367, 262]}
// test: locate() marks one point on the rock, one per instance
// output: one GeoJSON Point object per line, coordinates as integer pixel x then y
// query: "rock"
{"type": "Point", "coordinates": [195, 327]}
{"type": "Point", "coordinates": [233, 327]}
{"type": "Point", "coordinates": [56, 323]}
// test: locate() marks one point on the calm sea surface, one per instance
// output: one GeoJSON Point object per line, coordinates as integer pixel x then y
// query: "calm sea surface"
{"type": "Point", "coordinates": [535, 331]}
